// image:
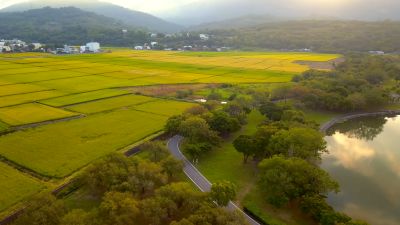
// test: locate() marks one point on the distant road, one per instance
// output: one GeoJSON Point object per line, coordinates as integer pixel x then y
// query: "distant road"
{"type": "Point", "coordinates": [196, 177]}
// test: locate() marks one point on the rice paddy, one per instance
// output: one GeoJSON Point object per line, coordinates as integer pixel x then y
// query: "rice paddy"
{"type": "Point", "coordinates": [37, 88]}
{"type": "Point", "coordinates": [31, 113]}
{"type": "Point", "coordinates": [15, 186]}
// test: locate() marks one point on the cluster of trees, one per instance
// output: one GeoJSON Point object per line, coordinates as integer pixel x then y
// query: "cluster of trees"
{"type": "Point", "coordinates": [289, 147]}
{"type": "Point", "coordinates": [286, 132]}
{"type": "Point", "coordinates": [137, 191]}
{"type": "Point", "coordinates": [318, 35]}
{"type": "Point", "coordinates": [361, 83]}
{"type": "Point", "coordinates": [204, 126]}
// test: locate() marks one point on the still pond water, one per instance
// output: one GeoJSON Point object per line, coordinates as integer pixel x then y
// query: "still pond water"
{"type": "Point", "coordinates": [365, 159]}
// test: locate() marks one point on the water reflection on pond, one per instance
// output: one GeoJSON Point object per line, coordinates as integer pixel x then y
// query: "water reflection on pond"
{"type": "Point", "coordinates": [365, 159]}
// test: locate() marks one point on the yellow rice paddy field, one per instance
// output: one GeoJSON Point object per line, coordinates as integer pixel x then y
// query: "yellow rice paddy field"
{"type": "Point", "coordinates": [75, 109]}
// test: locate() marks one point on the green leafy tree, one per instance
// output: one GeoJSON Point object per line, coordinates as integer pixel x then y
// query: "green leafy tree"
{"type": "Point", "coordinates": [111, 173]}
{"type": "Point", "coordinates": [223, 123]}
{"type": "Point", "coordinates": [271, 110]}
{"type": "Point", "coordinates": [44, 209]}
{"type": "Point", "coordinates": [305, 143]}
{"type": "Point", "coordinates": [171, 166]}
{"type": "Point", "coordinates": [283, 180]}
{"type": "Point", "coordinates": [79, 217]}
{"type": "Point", "coordinates": [246, 145]}
{"type": "Point", "coordinates": [157, 150]}
{"type": "Point", "coordinates": [262, 139]}
{"type": "Point", "coordinates": [119, 209]}
{"type": "Point", "coordinates": [173, 124]}
{"type": "Point", "coordinates": [197, 130]}
{"type": "Point", "coordinates": [223, 192]}
{"type": "Point", "coordinates": [146, 177]}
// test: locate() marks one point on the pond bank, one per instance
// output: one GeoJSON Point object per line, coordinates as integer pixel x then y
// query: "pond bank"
{"type": "Point", "coordinates": [340, 119]}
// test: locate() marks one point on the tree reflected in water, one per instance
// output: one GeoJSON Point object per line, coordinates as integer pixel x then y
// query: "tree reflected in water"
{"type": "Point", "coordinates": [365, 128]}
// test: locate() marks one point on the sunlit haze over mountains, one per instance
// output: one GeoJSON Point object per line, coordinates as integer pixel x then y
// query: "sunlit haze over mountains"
{"type": "Point", "coordinates": [202, 11]}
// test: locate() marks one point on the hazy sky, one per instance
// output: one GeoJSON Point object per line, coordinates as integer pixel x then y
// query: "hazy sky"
{"type": "Point", "coordinates": [141, 5]}
{"type": "Point", "coordinates": [213, 9]}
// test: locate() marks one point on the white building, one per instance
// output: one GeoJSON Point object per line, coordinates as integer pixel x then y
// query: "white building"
{"type": "Point", "coordinates": [138, 47]}
{"type": "Point", "coordinates": [36, 46]}
{"type": "Point", "coordinates": [204, 37]}
{"type": "Point", "coordinates": [5, 49]}
{"type": "Point", "coordinates": [93, 46]}
{"type": "Point", "coordinates": [377, 52]}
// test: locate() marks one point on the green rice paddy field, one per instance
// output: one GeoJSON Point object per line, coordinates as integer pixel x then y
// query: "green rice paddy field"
{"type": "Point", "coordinates": [63, 112]}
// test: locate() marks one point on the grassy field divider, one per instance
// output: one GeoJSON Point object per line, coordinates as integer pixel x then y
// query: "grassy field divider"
{"type": "Point", "coordinates": [24, 170]}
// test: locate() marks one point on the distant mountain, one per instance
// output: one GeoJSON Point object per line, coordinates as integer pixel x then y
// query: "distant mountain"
{"type": "Point", "coordinates": [129, 17]}
{"type": "Point", "coordinates": [66, 26]}
{"type": "Point", "coordinates": [235, 23]}
{"type": "Point", "coordinates": [206, 11]}
{"type": "Point", "coordinates": [337, 36]}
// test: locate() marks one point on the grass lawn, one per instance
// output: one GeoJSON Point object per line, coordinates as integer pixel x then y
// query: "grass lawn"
{"type": "Point", "coordinates": [31, 113]}
{"type": "Point", "coordinates": [225, 163]}
{"type": "Point", "coordinates": [319, 116]}
{"type": "Point", "coordinates": [15, 186]}
{"type": "Point", "coordinates": [393, 106]}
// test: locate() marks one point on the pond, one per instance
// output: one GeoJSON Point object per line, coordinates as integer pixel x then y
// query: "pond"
{"type": "Point", "coordinates": [365, 159]}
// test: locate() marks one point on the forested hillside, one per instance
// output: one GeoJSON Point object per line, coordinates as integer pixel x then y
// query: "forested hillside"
{"type": "Point", "coordinates": [65, 26]}
{"type": "Point", "coordinates": [324, 36]}
{"type": "Point", "coordinates": [130, 17]}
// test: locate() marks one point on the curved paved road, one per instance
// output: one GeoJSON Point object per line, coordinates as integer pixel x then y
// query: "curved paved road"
{"type": "Point", "coordinates": [197, 178]}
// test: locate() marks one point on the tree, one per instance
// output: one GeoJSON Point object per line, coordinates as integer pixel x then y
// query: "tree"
{"type": "Point", "coordinates": [119, 209]}
{"type": "Point", "coordinates": [183, 199]}
{"type": "Point", "coordinates": [262, 140]}
{"type": "Point", "coordinates": [197, 110]}
{"type": "Point", "coordinates": [357, 101]}
{"type": "Point", "coordinates": [223, 192]}
{"type": "Point", "coordinates": [281, 93]}
{"type": "Point", "coordinates": [44, 209]}
{"type": "Point", "coordinates": [246, 145]}
{"type": "Point", "coordinates": [283, 180]}
{"type": "Point", "coordinates": [223, 123]}
{"type": "Point", "coordinates": [173, 124]}
{"type": "Point", "coordinates": [293, 116]}
{"type": "Point", "coordinates": [215, 216]}
{"type": "Point", "coordinates": [271, 110]}
{"type": "Point", "coordinates": [155, 210]}
{"type": "Point", "coordinates": [196, 150]}
{"type": "Point", "coordinates": [79, 217]}
{"type": "Point", "coordinates": [236, 110]}
{"type": "Point", "coordinates": [305, 143]}
{"type": "Point", "coordinates": [111, 173]}
{"type": "Point", "coordinates": [157, 150]}
{"type": "Point", "coordinates": [214, 95]}
{"type": "Point", "coordinates": [197, 130]}
{"type": "Point", "coordinates": [146, 177]}
{"type": "Point", "coordinates": [171, 166]}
